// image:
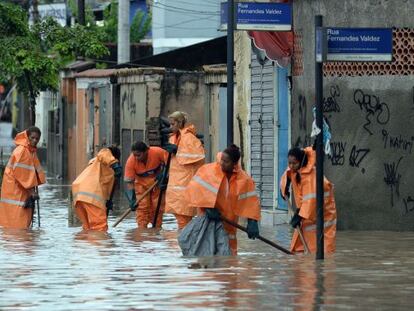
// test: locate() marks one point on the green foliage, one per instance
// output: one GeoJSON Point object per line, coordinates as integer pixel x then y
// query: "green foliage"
{"type": "Point", "coordinates": [42, 49]}
{"type": "Point", "coordinates": [110, 27]}
{"type": "Point", "coordinates": [140, 25]}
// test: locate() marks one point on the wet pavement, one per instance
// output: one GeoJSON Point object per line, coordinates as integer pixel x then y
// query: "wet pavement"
{"type": "Point", "coordinates": [58, 268]}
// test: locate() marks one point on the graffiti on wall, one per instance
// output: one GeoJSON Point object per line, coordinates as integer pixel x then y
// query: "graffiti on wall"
{"type": "Point", "coordinates": [376, 116]}
{"type": "Point", "coordinates": [331, 103]}
{"type": "Point", "coordinates": [338, 153]}
{"type": "Point", "coordinates": [128, 102]}
{"type": "Point", "coordinates": [392, 178]}
{"type": "Point", "coordinates": [373, 109]}
{"type": "Point", "coordinates": [397, 142]}
{"type": "Point", "coordinates": [303, 139]}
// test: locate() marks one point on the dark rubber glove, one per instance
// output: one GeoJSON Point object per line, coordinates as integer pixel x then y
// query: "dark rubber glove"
{"type": "Point", "coordinates": [287, 192]}
{"type": "Point", "coordinates": [171, 148]}
{"type": "Point", "coordinates": [132, 199]}
{"type": "Point", "coordinates": [296, 219]}
{"type": "Point", "coordinates": [117, 169]}
{"type": "Point", "coordinates": [109, 205]}
{"type": "Point", "coordinates": [29, 203]}
{"type": "Point", "coordinates": [212, 213]}
{"type": "Point", "coordinates": [252, 229]}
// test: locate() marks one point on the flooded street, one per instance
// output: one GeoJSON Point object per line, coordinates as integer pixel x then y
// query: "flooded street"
{"type": "Point", "coordinates": [58, 268]}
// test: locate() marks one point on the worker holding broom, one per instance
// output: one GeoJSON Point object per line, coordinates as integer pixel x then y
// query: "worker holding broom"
{"type": "Point", "coordinates": [301, 174]}
{"type": "Point", "coordinates": [144, 172]}
{"type": "Point", "coordinates": [93, 189]}
{"type": "Point", "coordinates": [21, 177]}
{"type": "Point", "coordinates": [222, 190]}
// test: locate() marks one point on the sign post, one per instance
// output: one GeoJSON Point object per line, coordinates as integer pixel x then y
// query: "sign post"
{"type": "Point", "coordinates": [319, 55]}
{"type": "Point", "coordinates": [230, 71]}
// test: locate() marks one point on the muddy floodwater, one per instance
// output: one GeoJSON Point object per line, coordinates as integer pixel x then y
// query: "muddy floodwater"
{"type": "Point", "coordinates": [58, 268]}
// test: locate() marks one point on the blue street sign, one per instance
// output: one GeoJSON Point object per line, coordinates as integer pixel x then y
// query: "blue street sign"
{"type": "Point", "coordinates": [259, 16]}
{"type": "Point", "coordinates": [359, 44]}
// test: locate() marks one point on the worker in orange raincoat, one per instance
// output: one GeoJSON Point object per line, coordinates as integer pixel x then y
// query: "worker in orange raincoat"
{"type": "Point", "coordinates": [20, 180]}
{"type": "Point", "coordinates": [92, 190]}
{"type": "Point", "coordinates": [301, 174]}
{"type": "Point", "coordinates": [184, 164]}
{"type": "Point", "coordinates": [224, 189]}
{"type": "Point", "coordinates": [143, 168]}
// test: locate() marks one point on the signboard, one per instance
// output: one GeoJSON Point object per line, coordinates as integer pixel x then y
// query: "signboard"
{"type": "Point", "coordinates": [259, 16]}
{"type": "Point", "coordinates": [359, 44]}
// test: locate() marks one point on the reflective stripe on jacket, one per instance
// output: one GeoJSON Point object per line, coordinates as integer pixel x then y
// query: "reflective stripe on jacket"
{"type": "Point", "coordinates": [94, 184]}
{"type": "Point", "coordinates": [304, 194]}
{"type": "Point", "coordinates": [189, 158]}
{"type": "Point", "coordinates": [143, 174]}
{"type": "Point", "coordinates": [209, 188]}
{"type": "Point", "coordinates": [23, 172]}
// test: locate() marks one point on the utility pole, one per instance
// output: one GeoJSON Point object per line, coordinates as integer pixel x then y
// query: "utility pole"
{"type": "Point", "coordinates": [35, 11]}
{"type": "Point", "coordinates": [81, 12]}
{"type": "Point", "coordinates": [123, 32]}
{"type": "Point", "coordinates": [230, 71]}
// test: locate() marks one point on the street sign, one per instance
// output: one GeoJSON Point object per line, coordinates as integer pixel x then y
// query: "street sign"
{"type": "Point", "coordinates": [259, 16]}
{"type": "Point", "coordinates": [359, 44]}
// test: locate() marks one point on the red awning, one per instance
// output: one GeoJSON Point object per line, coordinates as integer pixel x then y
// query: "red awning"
{"type": "Point", "coordinates": [278, 46]}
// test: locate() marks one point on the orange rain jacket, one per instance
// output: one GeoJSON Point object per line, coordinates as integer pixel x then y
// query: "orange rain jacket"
{"type": "Point", "coordinates": [234, 198]}
{"type": "Point", "coordinates": [143, 176]}
{"type": "Point", "coordinates": [190, 156]}
{"type": "Point", "coordinates": [94, 186]}
{"type": "Point", "coordinates": [22, 174]}
{"type": "Point", "coordinates": [305, 199]}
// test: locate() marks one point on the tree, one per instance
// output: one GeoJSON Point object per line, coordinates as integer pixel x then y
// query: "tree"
{"type": "Point", "coordinates": [33, 56]}
{"type": "Point", "coordinates": [140, 26]}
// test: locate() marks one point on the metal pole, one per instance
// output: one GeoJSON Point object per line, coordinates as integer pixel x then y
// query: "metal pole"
{"type": "Point", "coordinates": [123, 32]}
{"type": "Point", "coordinates": [81, 12]}
{"type": "Point", "coordinates": [319, 149]}
{"type": "Point", "coordinates": [230, 70]}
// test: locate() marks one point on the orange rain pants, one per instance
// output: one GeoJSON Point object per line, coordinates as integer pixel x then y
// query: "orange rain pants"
{"type": "Point", "coordinates": [143, 175]}
{"type": "Point", "coordinates": [92, 217]}
{"type": "Point", "coordinates": [92, 188]}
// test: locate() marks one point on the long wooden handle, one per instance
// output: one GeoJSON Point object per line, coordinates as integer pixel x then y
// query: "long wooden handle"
{"type": "Point", "coordinates": [299, 230]}
{"type": "Point", "coordinates": [126, 213]}
{"type": "Point", "coordinates": [234, 224]}
{"type": "Point", "coordinates": [157, 210]}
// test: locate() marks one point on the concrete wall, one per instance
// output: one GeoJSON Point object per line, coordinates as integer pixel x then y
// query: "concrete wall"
{"type": "Point", "coordinates": [371, 116]}
{"type": "Point", "coordinates": [184, 92]}
{"type": "Point", "coordinates": [243, 95]}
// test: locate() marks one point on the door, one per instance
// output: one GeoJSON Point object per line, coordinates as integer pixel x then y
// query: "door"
{"type": "Point", "coordinates": [282, 129]}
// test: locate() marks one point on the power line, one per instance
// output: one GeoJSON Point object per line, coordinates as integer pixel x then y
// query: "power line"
{"type": "Point", "coordinates": [195, 4]}
{"type": "Point", "coordinates": [184, 22]}
{"type": "Point", "coordinates": [186, 10]}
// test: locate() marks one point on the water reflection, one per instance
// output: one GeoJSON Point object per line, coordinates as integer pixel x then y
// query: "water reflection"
{"type": "Point", "coordinates": [61, 268]}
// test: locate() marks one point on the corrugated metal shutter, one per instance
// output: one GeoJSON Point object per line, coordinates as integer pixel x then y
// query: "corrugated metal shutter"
{"type": "Point", "coordinates": [262, 129]}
